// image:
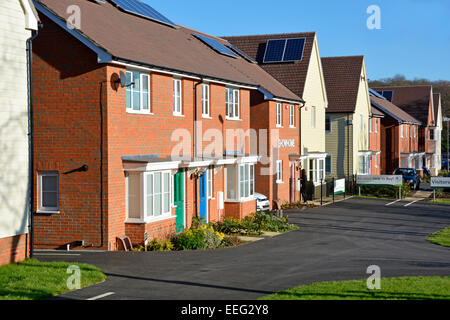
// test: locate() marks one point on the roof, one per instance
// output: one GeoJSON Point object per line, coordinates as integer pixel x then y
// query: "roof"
{"type": "Point", "coordinates": [377, 113]}
{"type": "Point", "coordinates": [137, 40]}
{"type": "Point", "coordinates": [414, 100]}
{"type": "Point", "coordinates": [293, 74]}
{"type": "Point", "coordinates": [342, 80]}
{"type": "Point", "coordinates": [437, 104]}
{"type": "Point", "coordinates": [392, 110]}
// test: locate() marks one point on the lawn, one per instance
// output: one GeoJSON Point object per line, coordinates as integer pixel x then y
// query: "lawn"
{"type": "Point", "coordinates": [407, 288]}
{"type": "Point", "coordinates": [34, 280]}
{"type": "Point", "coordinates": [441, 238]}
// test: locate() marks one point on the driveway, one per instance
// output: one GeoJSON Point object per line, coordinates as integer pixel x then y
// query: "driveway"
{"type": "Point", "coordinates": [336, 242]}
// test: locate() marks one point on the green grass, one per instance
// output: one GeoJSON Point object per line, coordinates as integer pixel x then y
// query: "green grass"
{"type": "Point", "coordinates": [34, 280]}
{"type": "Point", "coordinates": [407, 288]}
{"type": "Point", "coordinates": [441, 201]}
{"type": "Point", "coordinates": [441, 238]}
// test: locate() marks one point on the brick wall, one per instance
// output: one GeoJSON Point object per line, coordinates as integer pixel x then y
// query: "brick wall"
{"type": "Point", "coordinates": [14, 249]}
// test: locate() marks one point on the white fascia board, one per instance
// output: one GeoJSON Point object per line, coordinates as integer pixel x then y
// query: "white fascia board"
{"type": "Point", "coordinates": [148, 167]}
{"type": "Point", "coordinates": [31, 20]}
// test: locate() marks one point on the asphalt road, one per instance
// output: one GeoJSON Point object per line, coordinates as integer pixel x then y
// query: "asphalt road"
{"type": "Point", "coordinates": [336, 242]}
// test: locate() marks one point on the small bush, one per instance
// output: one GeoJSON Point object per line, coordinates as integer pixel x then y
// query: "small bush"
{"type": "Point", "coordinates": [386, 191]}
{"type": "Point", "coordinates": [160, 245]}
{"type": "Point", "coordinates": [231, 241]}
{"type": "Point", "coordinates": [192, 239]}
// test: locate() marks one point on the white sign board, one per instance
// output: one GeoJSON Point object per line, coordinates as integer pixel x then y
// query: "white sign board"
{"type": "Point", "coordinates": [339, 186]}
{"type": "Point", "coordinates": [440, 182]}
{"type": "Point", "coordinates": [379, 181]}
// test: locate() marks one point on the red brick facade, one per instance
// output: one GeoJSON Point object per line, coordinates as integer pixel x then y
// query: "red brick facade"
{"type": "Point", "coordinates": [81, 119]}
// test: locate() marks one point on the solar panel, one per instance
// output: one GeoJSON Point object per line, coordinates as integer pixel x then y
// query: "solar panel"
{"type": "Point", "coordinates": [275, 50]}
{"type": "Point", "coordinates": [387, 94]}
{"type": "Point", "coordinates": [284, 50]}
{"type": "Point", "coordinates": [241, 53]}
{"type": "Point", "coordinates": [294, 49]}
{"type": "Point", "coordinates": [142, 9]}
{"type": "Point", "coordinates": [216, 45]}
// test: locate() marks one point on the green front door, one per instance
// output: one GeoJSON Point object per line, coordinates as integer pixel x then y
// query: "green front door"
{"type": "Point", "coordinates": [179, 199]}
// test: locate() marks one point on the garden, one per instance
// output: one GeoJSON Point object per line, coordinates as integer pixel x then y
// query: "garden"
{"type": "Point", "coordinates": [229, 232]}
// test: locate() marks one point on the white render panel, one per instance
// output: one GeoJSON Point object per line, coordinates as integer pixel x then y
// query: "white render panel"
{"type": "Point", "coordinates": [13, 119]}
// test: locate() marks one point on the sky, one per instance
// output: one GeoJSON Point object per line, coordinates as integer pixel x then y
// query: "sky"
{"type": "Point", "coordinates": [414, 39]}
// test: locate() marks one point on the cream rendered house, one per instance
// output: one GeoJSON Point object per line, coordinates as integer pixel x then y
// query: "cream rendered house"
{"type": "Point", "coordinates": [17, 23]}
{"type": "Point", "coordinates": [437, 161]}
{"type": "Point", "coordinates": [347, 120]}
{"type": "Point", "coordinates": [303, 75]}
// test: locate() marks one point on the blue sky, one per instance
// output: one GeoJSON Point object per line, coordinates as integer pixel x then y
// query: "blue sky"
{"type": "Point", "coordinates": [414, 39]}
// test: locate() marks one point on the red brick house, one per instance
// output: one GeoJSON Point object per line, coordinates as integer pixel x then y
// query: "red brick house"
{"type": "Point", "coordinates": [141, 124]}
{"type": "Point", "coordinates": [417, 101]}
{"type": "Point", "coordinates": [399, 136]}
{"type": "Point", "coordinates": [375, 164]}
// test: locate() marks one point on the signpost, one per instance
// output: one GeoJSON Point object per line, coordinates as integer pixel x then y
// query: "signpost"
{"type": "Point", "coordinates": [439, 183]}
{"type": "Point", "coordinates": [380, 181]}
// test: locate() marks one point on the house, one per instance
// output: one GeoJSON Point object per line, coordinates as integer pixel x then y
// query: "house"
{"type": "Point", "coordinates": [18, 23]}
{"type": "Point", "coordinates": [418, 102]}
{"type": "Point", "coordinates": [437, 166]}
{"type": "Point", "coordinates": [347, 118]}
{"type": "Point", "coordinates": [303, 75]}
{"type": "Point", "coordinates": [399, 136]}
{"type": "Point", "coordinates": [375, 164]}
{"type": "Point", "coordinates": [144, 125]}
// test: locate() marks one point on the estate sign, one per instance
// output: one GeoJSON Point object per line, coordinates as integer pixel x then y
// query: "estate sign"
{"type": "Point", "coordinates": [440, 182]}
{"type": "Point", "coordinates": [379, 180]}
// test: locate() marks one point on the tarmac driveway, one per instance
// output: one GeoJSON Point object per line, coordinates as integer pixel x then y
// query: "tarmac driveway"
{"type": "Point", "coordinates": [336, 242]}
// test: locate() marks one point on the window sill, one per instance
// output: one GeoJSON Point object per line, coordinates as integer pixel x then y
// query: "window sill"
{"type": "Point", "coordinates": [233, 119]}
{"type": "Point", "coordinates": [241, 200]}
{"type": "Point", "coordinates": [280, 127]}
{"type": "Point", "coordinates": [280, 182]}
{"type": "Point", "coordinates": [292, 127]}
{"type": "Point", "coordinates": [47, 212]}
{"type": "Point", "coordinates": [206, 117]}
{"type": "Point", "coordinates": [140, 112]}
{"type": "Point", "coordinates": [178, 115]}
{"type": "Point", "coordinates": [149, 220]}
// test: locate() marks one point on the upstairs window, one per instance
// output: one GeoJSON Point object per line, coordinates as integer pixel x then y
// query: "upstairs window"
{"type": "Point", "coordinates": [376, 125]}
{"type": "Point", "coordinates": [206, 112]}
{"type": "Point", "coordinates": [279, 115]}
{"type": "Point", "coordinates": [177, 101]}
{"type": "Point", "coordinates": [313, 117]}
{"type": "Point", "coordinates": [232, 104]}
{"type": "Point", "coordinates": [138, 92]}
{"type": "Point", "coordinates": [371, 125]}
{"type": "Point", "coordinates": [432, 136]}
{"type": "Point", "coordinates": [401, 131]}
{"type": "Point", "coordinates": [327, 124]}
{"type": "Point", "coordinates": [292, 116]}
{"type": "Point", "coordinates": [280, 171]}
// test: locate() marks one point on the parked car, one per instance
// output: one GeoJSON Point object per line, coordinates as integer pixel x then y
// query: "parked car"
{"type": "Point", "coordinates": [262, 202]}
{"type": "Point", "coordinates": [410, 176]}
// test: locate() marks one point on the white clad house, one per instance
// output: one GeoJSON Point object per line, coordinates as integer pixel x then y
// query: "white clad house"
{"type": "Point", "coordinates": [18, 23]}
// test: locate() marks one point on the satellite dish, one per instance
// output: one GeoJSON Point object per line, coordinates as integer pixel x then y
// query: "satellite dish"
{"type": "Point", "coordinates": [123, 79]}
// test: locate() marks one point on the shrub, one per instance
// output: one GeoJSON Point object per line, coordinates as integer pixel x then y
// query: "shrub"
{"type": "Point", "coordinates": [231, 241]}
{"type": "Point", "coordinates": [272, 223]}
{"type": "Point", "coordinates": [386, 191]}
{"type": "Point", "coordinates": [228, 226]}
{"type": "Point", "coordinates": [191, 239]}
{"type": "Point", "coordinates": [160, 245]}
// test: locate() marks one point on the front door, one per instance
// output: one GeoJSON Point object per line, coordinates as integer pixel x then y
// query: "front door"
{"type": "Point", "coordinates": [203, 198]}
{"type": "Point", "coordinates": [178, 199]}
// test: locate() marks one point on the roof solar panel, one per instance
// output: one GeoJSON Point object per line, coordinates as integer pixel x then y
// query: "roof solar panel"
{"type": "Point", "coordinates": [142, 9]}
{"type": "Point", "coordinates": [284, 50]}
{"type": "Point", "coordinates": [294, 49]}
{"type": "Point", "coordinates": [389, 95]}
{"type": "Point", "coordinates": [241, 53]}
{"type": "Point", "coordinates": [275, 50]}
{"type": "Point", "coordinates": [216, 45]}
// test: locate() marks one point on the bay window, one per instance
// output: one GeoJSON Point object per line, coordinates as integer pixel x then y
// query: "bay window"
{"type": "Point", "coordinates": [240, 182]}
{"type": "Point", "coordinates": [149, 196]}
{"type": "Point", "coordinates": [316, 170]}
{"type": "Point", "coordinates": [364, 165]}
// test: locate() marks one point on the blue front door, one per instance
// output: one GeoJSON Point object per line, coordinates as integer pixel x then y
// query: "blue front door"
{"type": "Point", "coordinates": [203, 198]}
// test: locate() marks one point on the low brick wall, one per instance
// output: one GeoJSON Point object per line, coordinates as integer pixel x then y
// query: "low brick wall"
{"type": "Point", "coordinates": [14, 249]}
{"type": "Point", "coordinates": [240, 210]}
{"type": "Point", "coordinates": [161, 230]}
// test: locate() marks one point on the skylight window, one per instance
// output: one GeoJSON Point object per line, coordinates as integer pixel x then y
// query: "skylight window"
{"type": "Point", "coordinates": [216, 45]}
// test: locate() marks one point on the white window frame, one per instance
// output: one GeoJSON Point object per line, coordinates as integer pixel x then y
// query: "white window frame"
{"type": "Point", "coordinates": [292, 121]}
{"type": "Point", "coordinates": [401, 131]}
{"type": "Point", "coordinates": [238, 179]}
{"type": "Point", "coordinates": [206, 105]}
{"type": "Point", "coordinates": [370, 125]}
{"type": "Point", "coordinates": [131, 90]}
{"type": "Point", "coordinates": [315, 172]}
{"type": "Point", "coordinates": [362, 123]}
{"type": "Point", "coordinates": [41, 192]}
{"type": "Point", "coordinates": [164, 196]}
{"type": "Point", "coordinates": [210, 183]}
{"type": "Point", "coordinates": [415, 131]}
{"type": "Point", "coordinates": [279, 115]}
{"type": "Point", "coordinates": [432, 134]}
{"type": "Point", "coordinates": [366, 165]}
{"type": "Point", "coordinates": [279, 171]}
{"type": "Point", "coordinates": [376, 125]}
{"type": "Point", "coordinates": [233, 106]}
{"type": "Point", "coordinates": [177, 97]}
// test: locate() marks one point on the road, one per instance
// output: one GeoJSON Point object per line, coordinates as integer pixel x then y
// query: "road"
{"type": "Point", "coordinates": [336, 242]}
